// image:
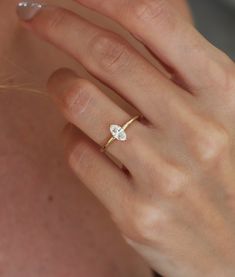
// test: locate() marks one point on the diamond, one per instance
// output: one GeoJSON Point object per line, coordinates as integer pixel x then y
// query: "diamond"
{"type": "Point", "coordinates": [118, 132]}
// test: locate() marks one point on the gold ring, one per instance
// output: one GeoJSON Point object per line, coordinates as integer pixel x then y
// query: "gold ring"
{"type": "Point", "coordinates": [118, 132]}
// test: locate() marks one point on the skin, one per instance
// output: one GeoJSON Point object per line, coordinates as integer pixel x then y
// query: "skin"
{"type": "Point", "coordinates": [174, 202]}
{"type": "Point", "coordinates": [51, 225]}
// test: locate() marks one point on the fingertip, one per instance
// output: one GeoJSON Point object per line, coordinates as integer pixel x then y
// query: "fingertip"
{"type": "Point", "coordinates": [59, 83]}
{"type": "Point", "coordinates": [27, 10]}
{"type": "Point", "coordinates": [60, 76]}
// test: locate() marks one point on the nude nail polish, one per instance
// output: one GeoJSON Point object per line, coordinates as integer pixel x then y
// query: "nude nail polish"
{"type": "Point", "coordinates": [26, 10]}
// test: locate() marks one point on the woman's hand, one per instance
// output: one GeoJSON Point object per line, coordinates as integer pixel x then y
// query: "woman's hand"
{"type": "Point", "coordinates": [174, 201]}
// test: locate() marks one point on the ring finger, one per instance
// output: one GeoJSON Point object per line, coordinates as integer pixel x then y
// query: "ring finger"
{"type": "Point", "coordinates": [84, 105]}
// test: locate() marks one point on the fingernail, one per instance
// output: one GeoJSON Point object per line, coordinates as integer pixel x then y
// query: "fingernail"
{"type": "Point", "coordinates": [26, 10]}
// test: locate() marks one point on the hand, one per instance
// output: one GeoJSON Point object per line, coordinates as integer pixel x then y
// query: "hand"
{"type": "Point", "coordinates": [175, 200]}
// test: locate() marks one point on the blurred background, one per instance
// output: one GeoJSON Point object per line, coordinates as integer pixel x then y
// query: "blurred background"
{"type": "Point", "coordinates": [215, 19]}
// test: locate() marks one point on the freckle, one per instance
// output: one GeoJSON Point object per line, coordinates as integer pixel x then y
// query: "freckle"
{"type": "Point", "coordinates": [50, 198]}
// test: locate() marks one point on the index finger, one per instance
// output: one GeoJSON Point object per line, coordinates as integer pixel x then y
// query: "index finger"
{"type": "Point", "coordinates": [174, 41]}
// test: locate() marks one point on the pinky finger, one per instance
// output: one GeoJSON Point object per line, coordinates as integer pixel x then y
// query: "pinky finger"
{"type": "Point", "coordinates": [102, 177]}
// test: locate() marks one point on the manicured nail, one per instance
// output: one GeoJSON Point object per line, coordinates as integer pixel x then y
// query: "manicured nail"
{"type": "Point", "coordinates": [26, 10]}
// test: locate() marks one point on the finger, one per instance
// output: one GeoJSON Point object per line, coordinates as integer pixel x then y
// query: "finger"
{"type": "Point", "coordinates": [102, 177]}
{"type": "Point", "coordinates": [171, 38]}
{"type": "Point", "coordinates": [183, 7]}
{"type": "Point", "coordinates": [84, 105]}
{"type": "Point", "coordinates": [112, 60]}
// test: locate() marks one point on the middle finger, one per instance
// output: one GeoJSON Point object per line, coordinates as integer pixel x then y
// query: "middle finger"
{"type": "Point", "coordinates": [111, 59]}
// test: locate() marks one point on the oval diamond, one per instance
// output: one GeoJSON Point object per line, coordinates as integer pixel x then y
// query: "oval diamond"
{"type": "Point", "coordinates": [118, 132]}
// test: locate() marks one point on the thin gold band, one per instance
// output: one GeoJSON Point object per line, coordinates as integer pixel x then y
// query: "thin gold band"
{"type": "Point", "coordinates": [124, 127]}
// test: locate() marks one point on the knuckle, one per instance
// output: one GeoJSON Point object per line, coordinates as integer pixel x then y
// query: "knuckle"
{"type": "Point", "coordinates": [212, 145]}
{"type": "Point", "coordinates": [220, 71]}
{"type": "Point", "coordinates": [141, 223]}
{"type": "Point", "coordinates": [222, 76]}
{"type": "Point", "coordinates": [78, 157]}
{"type": "Point", "coordinates": [227, 86]}
{"type": "Point", "coordinates": [110, 52]}
{"type": "Point", "coordinates": [56, 19]}
{"type": "Point", "coordinates": [167, 179]}
{"type": "Point", "coordinates": [147, 10]}
{"type": "Point", "coordinates": [77, 98]}
{"type": "Point", "coordinates": [175, 185]}
{"type": "Point", "coordinates": [228, 78]}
